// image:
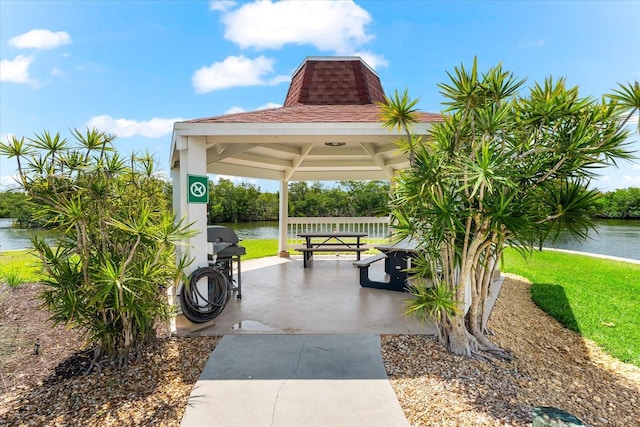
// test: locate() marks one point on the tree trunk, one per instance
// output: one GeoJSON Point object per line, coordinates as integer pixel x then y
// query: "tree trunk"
{"type": "Point", "coordinates": [464, 335]}
{"type": "Point", "coordinates": [457, 337]}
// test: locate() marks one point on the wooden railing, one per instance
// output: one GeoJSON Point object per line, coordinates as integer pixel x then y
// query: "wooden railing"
{"type": "Point", "coordinates": [377, 228]}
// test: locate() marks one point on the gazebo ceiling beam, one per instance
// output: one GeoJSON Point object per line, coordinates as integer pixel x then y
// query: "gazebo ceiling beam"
{"type": "Point", "coordinates": [340, 175]}
{"type": "Point", "coordinates": [304, 151]}
{"type": "Point", "coordinates": [378, 159]}
{"type": "Point", "coordinates": [242, 170]}
{"type": "Point", "coordinates": [387, 148]}
{"type": "Point", "coordinates": [336, 163]}
{"type": "Point", "coordinates": [245, 158]}
{"type": "Point", "coordinates": [345, 151]}
{"type": "Point", "coordinates": [284, 148]}
{"type": "Point", "coordinates": [223, 151]}
{"type": "Point", "coordinates": [401, 162]}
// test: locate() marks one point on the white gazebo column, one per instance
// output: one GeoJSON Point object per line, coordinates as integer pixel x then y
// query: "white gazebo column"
{"type": "Point", "coordinates": [283, 219]}
{"type": "Point", "coordinates": [193, 161]}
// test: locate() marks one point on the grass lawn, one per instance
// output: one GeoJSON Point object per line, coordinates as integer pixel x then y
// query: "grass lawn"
{"type": "Point", "coordinates": [260, 248]}
{"type": "Point", "coordinates": [25, 265]}
{"type": "Point", "coordinates": [598, 298]}
{"type": "Point", "coordinates": [21, 264]}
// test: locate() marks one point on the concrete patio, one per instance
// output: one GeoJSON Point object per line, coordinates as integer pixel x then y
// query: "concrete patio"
{"type": "Point", "coordinates": [279, 296]}
{"type": "Point", "coordinates": [302, 347]}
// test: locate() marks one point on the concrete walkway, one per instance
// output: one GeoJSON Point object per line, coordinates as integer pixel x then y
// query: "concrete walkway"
{"type": "Point", "coordinates": [294, 380]}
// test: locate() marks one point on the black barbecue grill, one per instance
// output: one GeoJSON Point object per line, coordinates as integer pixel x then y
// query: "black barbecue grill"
{"type": "Point", "coordinates": [223, 251]}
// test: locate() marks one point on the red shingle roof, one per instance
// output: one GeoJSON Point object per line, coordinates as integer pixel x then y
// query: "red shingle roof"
{"type": "Point", "coordinates": [334, 82]}
{"type": "Point", "coordinates": [324, 90]}
{"type": "Point", "coordinates": [311, 113]}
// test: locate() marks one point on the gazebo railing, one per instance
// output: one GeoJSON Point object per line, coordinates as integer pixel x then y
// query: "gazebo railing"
{"type": "Point", "coordinates": [377, 228]}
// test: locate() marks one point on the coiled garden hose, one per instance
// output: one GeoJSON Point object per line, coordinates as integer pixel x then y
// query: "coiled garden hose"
{"type": "Point", "coordinates": [201, 307]}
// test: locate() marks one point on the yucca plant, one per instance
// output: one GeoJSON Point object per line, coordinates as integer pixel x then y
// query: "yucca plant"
{"type": "Point", "coordinates": [109, 272]}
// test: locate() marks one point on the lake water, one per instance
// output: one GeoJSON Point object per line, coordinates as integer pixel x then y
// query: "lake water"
{"type": "Point", "coordinates": [20, 238]}
{"type": "Point", "coordinates": [612, 237]}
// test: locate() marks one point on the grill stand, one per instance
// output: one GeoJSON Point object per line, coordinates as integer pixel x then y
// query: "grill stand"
{"type": "Point", "coordinates": [223, 250]}
{"type": "Point", "coordinates": [225, 265]}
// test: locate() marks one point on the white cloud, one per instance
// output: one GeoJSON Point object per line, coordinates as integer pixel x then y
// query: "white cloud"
{"type": "Point", "coordinates": [274, 81]}
{"type": "Point", "coordinates": [154, 128]}
{"type": "Point", "coordinates": [16, 71]}
{"type": "Point", "coordinates": [40, 39]}
{"type": "Point", "coordinates": [235, 71]}
{"type": "Point", "coordinates": [373, 60]}
{"type": "Point", "coordinates": [221, 5]}
{"type": "Point", "coordinates": [235, 109]}
{"type": "Point", "coordinates": [269, 105]}
{"type": "Point", "coordinates": [55, 71]}
{"type": "Point", "coordinates": [337, 26]}
{"type": "Point", "coordinates": [635, 167]}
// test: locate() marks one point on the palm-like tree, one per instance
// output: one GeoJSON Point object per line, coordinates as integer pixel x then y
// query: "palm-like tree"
{"type": "Point", "coordinates": [400, 112]}
{"type": "Point", "coordinates": [627, 98]}
{"type": "Point", "coordinates": [501, 170]}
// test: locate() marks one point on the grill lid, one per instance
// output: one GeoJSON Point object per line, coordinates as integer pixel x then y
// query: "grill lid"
{"type": "Point", "coordinates": [220, 233]}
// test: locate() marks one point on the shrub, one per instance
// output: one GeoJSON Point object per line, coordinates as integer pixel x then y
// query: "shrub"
{"type": "Point", "coordinates": [108, 273]}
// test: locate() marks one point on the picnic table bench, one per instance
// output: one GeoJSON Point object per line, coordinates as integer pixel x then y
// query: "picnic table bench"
{"type": "Point", "coordinates": [339, 241]}
{"type": "Point", "coordinates": [397, 259]}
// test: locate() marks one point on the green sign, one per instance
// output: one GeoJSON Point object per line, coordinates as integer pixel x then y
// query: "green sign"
{"type": "Point", "coordinates": [197, 189]}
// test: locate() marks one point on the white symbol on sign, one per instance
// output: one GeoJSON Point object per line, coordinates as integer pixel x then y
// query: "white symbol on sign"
{"type": "Point", "coordinates": [198, 189]}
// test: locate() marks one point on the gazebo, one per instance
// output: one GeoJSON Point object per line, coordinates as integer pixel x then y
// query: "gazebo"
{"type": "Point", "coordinates": [328, 129]}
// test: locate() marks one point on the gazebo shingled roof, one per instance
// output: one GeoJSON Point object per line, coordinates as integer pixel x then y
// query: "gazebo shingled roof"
{"type": "Point", "coordinates": [335, 89]}
{"type": "Point", "coordinates": [322, 82]}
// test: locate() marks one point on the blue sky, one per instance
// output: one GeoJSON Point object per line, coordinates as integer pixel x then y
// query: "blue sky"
{"type": "Point", "coordinates": [133, 68]}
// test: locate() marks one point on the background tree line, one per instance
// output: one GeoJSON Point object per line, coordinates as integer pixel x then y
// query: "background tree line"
{"type": "Point", "coordinates": [623, 203]}
{"type": "Point", "coordinates": [244, 202]}
{"type": "Point", "coordinates": [229, 202]}
{"type": "Point", "coordinates": [16, 204]}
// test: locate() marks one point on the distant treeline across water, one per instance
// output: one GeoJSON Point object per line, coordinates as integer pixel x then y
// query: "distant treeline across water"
{"type": "Point", "coordinates": [234, 203]}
